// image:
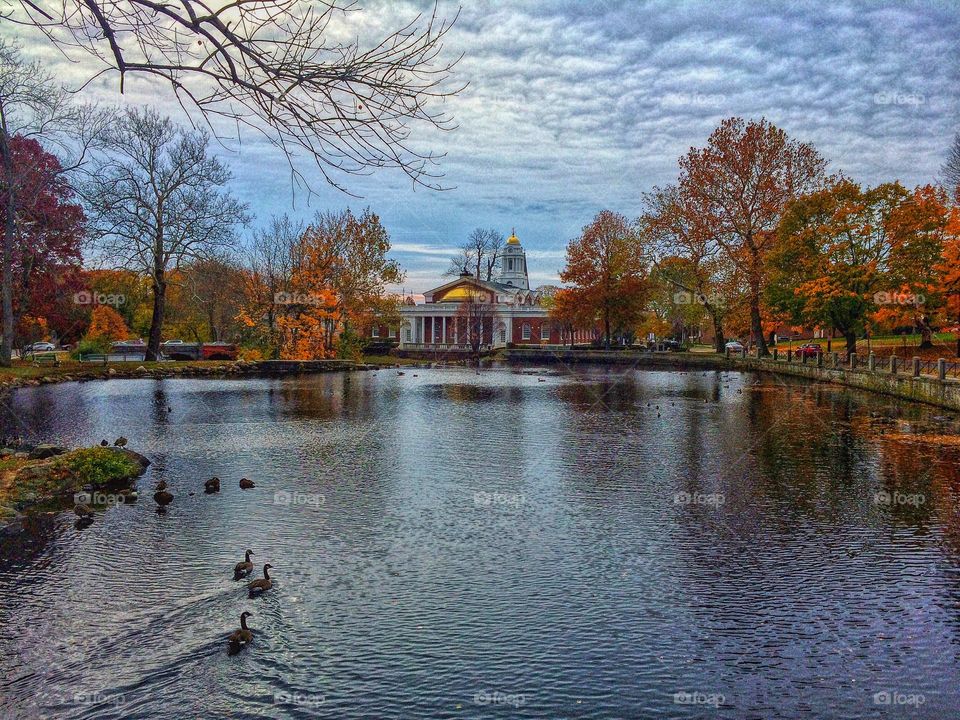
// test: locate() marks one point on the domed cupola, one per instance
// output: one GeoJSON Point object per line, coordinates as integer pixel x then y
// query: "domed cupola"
{"type": "Point", "coordinates": [513, 270]}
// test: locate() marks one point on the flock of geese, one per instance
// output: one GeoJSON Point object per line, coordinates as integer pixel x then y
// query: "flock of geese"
{"type": "Point", "coordinates": [241, 637]}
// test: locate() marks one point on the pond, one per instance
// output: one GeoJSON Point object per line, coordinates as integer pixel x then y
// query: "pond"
{"type": "Point", "coordinates": [597, 543]}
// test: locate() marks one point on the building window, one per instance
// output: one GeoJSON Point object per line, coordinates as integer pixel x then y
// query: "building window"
{"type": "Point", "coordinates": [544, 332]}
{"type": "Point", "coordinates": [510, 264]}
{"type": "Point", "coordinates": [375, 332]}
{"type": "Point", "coordinates": [391, 332]}
{"type": "Point", "coordinates": [406, 334]}
{"type": "Point", "coordinates": [503, 334]}
{"type": "Point", "coordinates": [526, 331]}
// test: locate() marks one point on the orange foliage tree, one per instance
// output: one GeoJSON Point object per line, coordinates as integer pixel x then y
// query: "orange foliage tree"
{"type": "Point", "coordinates": [738, 185]}
{"type": "Point", "coordinates": [335, 288]}
{"type": "Point", "coordinates": [107, 324]}
{"type": "Point", "coordinates": [609, 277]}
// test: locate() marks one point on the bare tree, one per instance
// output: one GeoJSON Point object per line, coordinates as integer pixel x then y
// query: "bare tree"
{"type": "Point", "coordinates": [479, 256]}
{"type": "Point", "coordinates": [156, 202]}
{"type": "Point", "coordinates": [474, 321]}
{"type": "Point", "coordinates": [293, 71]}
{"type": "Point", "coordinates": [272, 257]}
{"type": "Point", "coordinates": [32, 105]}
{"type": "Point", "coordinates": [951, 170]}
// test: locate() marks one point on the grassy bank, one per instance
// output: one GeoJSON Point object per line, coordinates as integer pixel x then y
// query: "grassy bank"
{"type": "Point", "coordinates": [26, 481]}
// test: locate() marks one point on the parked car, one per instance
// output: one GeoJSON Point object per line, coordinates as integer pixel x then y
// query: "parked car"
{"type": "Point", "coordinates": [39, 347]}
{"type": "Point", "coordinates": [809, 350]}
{"type": "Point", "coordinates": [173, 342]}
{"type": "Point", "coordinates": [672, 345]}
{"type": "Point", "coordinates": [734, 346]}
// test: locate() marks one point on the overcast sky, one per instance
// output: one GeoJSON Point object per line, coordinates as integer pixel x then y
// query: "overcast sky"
{"type": "Point", "coordinates": [576, 106]}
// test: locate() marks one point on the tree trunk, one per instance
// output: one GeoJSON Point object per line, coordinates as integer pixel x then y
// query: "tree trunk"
{"type": "Point", "coordinates": [756, 326]}
{"type": "Point", "coordinates": [926, 333]}
{"type": "Point", "coordinates": [719, 345]}
{"type": "Point", "coordinates": [851, 338]}
{"type": "Point", "coordinates": [156, 320]}
{"type": "Point", "coordinates": [606, 328]}
{"type": "Point", "coordinates": [10, 229]}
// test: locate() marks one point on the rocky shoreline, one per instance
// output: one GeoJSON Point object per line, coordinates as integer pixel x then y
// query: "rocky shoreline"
{"type": "Point", "coordinates": [48, 478]}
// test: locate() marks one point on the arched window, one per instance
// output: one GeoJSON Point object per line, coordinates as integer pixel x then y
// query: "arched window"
{"type": "Point", "coordinates": [526, 331]}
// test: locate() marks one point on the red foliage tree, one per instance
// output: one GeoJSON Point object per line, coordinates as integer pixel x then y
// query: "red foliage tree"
{"type": "Point", "coordinates": [50, 226]}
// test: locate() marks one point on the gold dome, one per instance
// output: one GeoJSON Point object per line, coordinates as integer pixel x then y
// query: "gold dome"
{"type": "Point", "coordinates": [463, 293]}
{"type": "Point", "coordinates": [513, 239]}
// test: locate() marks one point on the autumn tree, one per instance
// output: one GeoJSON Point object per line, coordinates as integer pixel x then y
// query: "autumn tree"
{"type": "Point", "coordinates": [480, 255]}
{"type": "Point", "coordinates": [34, 108]}
{"type": "Point", "coordinates": [107, 324]}
{"type": "Point", "coordinates": [350, 253]}
{"type": "Point", "coordinates": [921, 227]}
{"type": "Point", "coordinates": [686, 256]}
{"type": "Point", "coordinates": [949, 270]}
{"type": "Point", "coordinates": [608, 273]}
{"type": "Point", "coordinates": [739, 185]}
{"type": "Point", "coordinates": [158, 201]}
{"type": "Point", "coordinates": [570, 312]}
{"type": "Point", "coordinates": [832, 254]}
{"type": "Point", "coordinates": [271, 256]}
{"type": "Point", "coordinates": [48, 233]}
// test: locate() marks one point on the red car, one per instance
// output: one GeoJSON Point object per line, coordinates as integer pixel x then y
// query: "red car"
{"type": "Point", "coordinates": [809, 350]}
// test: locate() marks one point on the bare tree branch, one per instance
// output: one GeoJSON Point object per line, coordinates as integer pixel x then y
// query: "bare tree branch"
{"type": "Point", "coordinates": [274, 66]}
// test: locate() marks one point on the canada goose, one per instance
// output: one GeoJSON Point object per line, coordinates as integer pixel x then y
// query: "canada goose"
{"type": "Point", "coordinates": [163, 498]}
{"type": "Point", "coordinates": [400, 373]}
{"type": "Point", "coordinates": [212, 485]}
{"type": "Point", "coordinates": [162, 485]}
{"type": "Point", "coordinates": [540, 380]}
{"type": "Point", "coordinates": [242, 569]}
{"type": "Point", "coordinates": [239, 639]}
{"type": "Point", "coordinates": [120, 442]}
{"type": "Point", "coordinates": [84, 515]}
{"type": "Point", "coordinates": [246, 484]}
{"type": "Point", "coordinates": [103, 443]}
{"type": "Point", "coordinates": [263, 584]}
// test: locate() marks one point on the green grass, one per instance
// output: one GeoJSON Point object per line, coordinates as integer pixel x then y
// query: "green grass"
{"type": "Point", "coordinates": [24, 481]}
{"type": "Point", "coordinates": [98, 466]}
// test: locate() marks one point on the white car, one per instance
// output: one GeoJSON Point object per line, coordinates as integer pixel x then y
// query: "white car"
{"type": "Point", "coordinates": [734, 346]}
{"type": "Point", "coordinates": [40, 347]}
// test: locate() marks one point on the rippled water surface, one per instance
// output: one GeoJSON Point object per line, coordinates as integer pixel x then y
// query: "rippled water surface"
{"type": "Point", "coordinates": [501, 545]}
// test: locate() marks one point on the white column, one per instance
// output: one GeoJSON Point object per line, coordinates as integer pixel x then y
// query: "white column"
{"type": "Point", "coordinates": [444, 338]}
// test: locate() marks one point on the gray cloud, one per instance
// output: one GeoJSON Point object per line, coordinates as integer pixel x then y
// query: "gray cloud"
{"type": "Point", "coordinates": [578, 106]}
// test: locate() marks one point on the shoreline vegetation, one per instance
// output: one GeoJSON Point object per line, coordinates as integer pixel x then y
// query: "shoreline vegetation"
{"type": "Point", "coordinates": [47, 478]}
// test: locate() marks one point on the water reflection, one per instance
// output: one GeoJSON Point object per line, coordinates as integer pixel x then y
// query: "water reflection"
{"type": "Point", "coordinates": [595, 542]}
